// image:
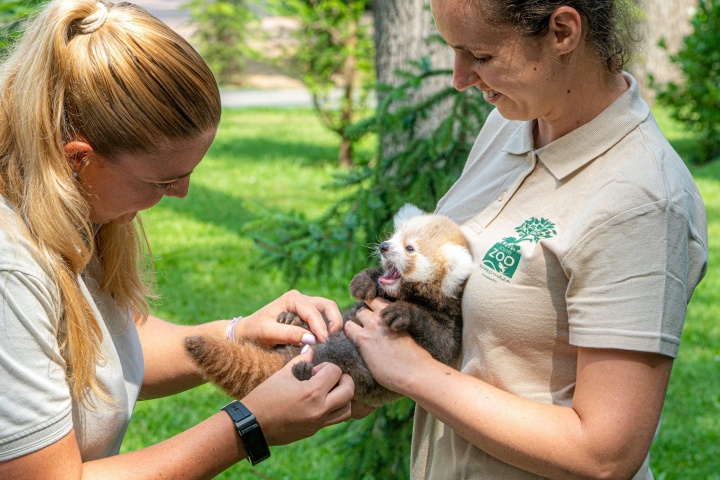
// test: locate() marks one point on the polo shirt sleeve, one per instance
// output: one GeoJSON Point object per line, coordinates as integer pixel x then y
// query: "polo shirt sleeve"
{"type": "Point", "coordinates": [35, 401]}
{"type": "Point", "coordinates": [631, 278]}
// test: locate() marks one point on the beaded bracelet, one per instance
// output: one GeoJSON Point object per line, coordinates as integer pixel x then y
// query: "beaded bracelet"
{"type": "Point", "coordinates": [230, 330]}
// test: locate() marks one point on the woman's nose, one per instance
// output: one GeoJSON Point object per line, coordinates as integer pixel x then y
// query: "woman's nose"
{"type": "Point", "coordinates": [464, 76]}
{"type": "Point", "coordinates": [180, 188]}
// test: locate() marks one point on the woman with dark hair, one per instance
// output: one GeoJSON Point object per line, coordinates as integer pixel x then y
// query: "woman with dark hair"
{"type": "Point", "coordinates": [589, 237]}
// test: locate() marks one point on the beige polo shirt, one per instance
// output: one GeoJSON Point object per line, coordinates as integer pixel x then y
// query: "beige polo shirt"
{"type": "Point", "coordinates": [595, 240]}
{"type": "Point", "coordinates": [36, 407]}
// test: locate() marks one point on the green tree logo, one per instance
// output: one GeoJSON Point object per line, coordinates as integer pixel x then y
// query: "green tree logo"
{"type": "Point", "coordinates": [504, 256]}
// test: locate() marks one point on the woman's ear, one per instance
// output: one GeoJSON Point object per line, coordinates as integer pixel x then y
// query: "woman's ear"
{"type": "Point", "coordinates": [76, 153]}
{"type": "Point", "coordinates": [566, 29]}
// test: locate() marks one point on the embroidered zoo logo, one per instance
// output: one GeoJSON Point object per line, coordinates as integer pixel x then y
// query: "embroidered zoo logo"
{"type": "Point", "coordinates": [504, 256]}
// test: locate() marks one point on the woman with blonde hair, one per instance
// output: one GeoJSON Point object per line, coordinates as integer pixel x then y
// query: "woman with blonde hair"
{"type": "Point", "coordinates": [103, 111]}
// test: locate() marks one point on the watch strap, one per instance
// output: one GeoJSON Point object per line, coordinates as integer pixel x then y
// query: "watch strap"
{"type": "Point", "coordinates": [249, 430]}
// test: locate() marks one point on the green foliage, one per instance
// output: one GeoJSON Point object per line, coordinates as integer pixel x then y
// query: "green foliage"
{"type": "Point", "coordinates": [420, 173]}
{"type": "Point", "coordinates": [222, 36]}
{"type": "Point", "coordinates": [329, 49]}
{"type": "Point", "coordinates": [696, 101]}
{"type": "Point", "coordinates": [13, 14]}
{"type": "Point", "coordinates": [378, 446]}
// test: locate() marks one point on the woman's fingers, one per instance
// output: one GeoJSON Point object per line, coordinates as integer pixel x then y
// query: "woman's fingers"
{"type": "Point", "coordinates": [331, 312]}
{"type": "Point", "coordinates": [312, 309]}
{"type": "Point", "coordinates": [264, 328]}
{"type": "Point", "coordinates": [377, 304]}
{"type": "Point", "coordinates": [338, 399]}
{"type": "Point", "coordinates": [289, 409]}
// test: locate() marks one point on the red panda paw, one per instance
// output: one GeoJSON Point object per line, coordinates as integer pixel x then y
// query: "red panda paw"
{"type": "Point", "coordinates": [396, 317]}
{"type": "Point", "coordinates": [303, 370]}
{"type": "Point", "coordinates": [290, 318]}
{"type": "Point", "coordinates": [364, 286]}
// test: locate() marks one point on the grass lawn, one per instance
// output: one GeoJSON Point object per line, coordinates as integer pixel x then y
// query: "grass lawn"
{"type": "Point", "coordinates": [688, 446]}
{"type": "Point", "coordinates": [206, 269]}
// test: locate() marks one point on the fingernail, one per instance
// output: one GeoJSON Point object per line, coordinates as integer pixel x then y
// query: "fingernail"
{"type": "Point", "coordinates": [308, 339]}
{"type": "Point", "coordinates": [305, 349]}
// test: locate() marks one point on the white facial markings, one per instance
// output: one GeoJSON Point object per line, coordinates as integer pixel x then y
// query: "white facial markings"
{"type": "Point", "coordinates": [459, 267]}
{"type": "Point", "coordinates": [423, 271]}
{"type": "Point", "coordinates": [394, 255]}
{"type": "Point", "coordinates": [416, 252]}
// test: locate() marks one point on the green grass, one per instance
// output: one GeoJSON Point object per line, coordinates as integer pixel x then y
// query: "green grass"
{"type": "Point", "coordinates": [688, 446]}
{"type": "Point", "coordinates": [207, 268]}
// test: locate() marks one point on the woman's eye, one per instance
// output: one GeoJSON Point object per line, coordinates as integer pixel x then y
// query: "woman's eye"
{"type": "Point", "coordinates": [165, 186]}
{"type": "Point", "coordinates": [480, 59]}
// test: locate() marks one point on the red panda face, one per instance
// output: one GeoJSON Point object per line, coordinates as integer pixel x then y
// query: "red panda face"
{"type": "Point", "coordinates": [428, 249]}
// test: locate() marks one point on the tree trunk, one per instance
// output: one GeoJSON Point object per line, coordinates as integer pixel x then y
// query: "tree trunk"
{"type": "Point", "coordinates": [667, 21]}
{"type": "Point", "coordinates": [404, 32]}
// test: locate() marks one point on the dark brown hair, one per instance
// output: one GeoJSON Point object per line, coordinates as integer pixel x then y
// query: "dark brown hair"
{"type": "Point", "coordinates": [606, 23]}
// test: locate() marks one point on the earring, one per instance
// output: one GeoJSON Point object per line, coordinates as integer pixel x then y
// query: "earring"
{"type": "Point", "coordinates": [75, 175]}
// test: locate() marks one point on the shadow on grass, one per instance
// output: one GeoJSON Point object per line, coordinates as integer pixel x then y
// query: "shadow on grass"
{"type": "Point", "coordinates": [308, 153]}
{"type": "Point", "coordinates": [279, 133]}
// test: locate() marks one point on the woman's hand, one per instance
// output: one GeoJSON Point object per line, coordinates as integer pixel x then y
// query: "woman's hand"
{"type": "Point", "coordinates": [289, 409]}
{"type": "Point", "coordinates": [263, 327]}
{"type": "Point", "coordinates": [392, 357]}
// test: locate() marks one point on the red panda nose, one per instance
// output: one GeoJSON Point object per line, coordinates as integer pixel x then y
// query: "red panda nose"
{"type": "Point", "coordinates": [384, 246]}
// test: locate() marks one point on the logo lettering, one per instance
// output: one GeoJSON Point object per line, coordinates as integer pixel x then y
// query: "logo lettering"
{"type": "Point", "coordinates": [504, 257]}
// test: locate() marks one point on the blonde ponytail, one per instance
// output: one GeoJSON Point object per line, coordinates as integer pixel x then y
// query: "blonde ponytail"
{"type": "Point", "coordinates": [119, 79]}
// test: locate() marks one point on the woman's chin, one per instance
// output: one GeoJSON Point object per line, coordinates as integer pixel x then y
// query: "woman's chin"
{"type": "Point", "coordinates": [121, 220]}
{"type": "Point", "coordinates": [127, 218]}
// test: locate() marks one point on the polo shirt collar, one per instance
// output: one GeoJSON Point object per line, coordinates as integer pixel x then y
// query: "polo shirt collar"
{"type": "Point", "coordinates": [579, 147]}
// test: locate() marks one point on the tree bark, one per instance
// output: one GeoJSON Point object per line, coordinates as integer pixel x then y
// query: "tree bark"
{"type": "Point", "coordinates": [667, 21]}
{"type": "Point", "coordinates": [405, 32]}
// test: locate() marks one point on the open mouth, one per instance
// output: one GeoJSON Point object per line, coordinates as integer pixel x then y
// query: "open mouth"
{"type": "Point", "coordinates": [489, 93]}
{"type": "Point", "coordinates": [390, 277]}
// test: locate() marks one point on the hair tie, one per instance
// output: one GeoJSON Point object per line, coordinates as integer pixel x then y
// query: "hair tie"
{"type": "Point", "coordinates": [92, 22]}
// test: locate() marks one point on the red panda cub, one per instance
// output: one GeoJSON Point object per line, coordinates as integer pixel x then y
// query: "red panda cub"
{"type": "Point", "coordinates": [425, 265]}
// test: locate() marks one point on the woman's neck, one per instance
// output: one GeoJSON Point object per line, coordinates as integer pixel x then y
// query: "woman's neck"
{"type": "Point", "coordinates": [587, 93]}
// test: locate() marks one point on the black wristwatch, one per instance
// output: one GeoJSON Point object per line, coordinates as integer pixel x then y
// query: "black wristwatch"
{"type": "Point", "coordinates": [250, 432]}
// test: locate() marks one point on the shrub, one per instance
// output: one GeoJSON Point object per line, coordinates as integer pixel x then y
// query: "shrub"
{"type": "Point", "coordinates": [420, 172]}
{"type": "Point", "coordinates": [329, 48]}
{"type": "Point", "coordinates": [222, 36]}
{"type": "Point", "coordinates": [696, 101]}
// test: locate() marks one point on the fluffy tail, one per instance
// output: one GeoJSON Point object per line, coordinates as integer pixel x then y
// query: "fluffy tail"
{"type": "Point", "coordinates": [236, 368]}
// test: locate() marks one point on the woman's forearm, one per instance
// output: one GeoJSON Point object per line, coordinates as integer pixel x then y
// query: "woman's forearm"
{"type": "Point", "coordinates": [600, 436]}
{"type": "Point", "coordinates": [501, 424]}
{"type": "Point", "coordinates": [168, 368]}
{"type": "Point", "coordinates": [201, 452]}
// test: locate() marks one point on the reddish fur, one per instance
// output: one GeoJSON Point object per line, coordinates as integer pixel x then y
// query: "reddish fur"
{"type": "Point", "coordinates": [236, 368]}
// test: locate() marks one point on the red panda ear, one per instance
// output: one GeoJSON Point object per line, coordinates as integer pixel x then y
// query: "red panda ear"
{"type": "Point", "coordinates": [407, 212]}
{"type": "Point", "coordinates": [459, 264]}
